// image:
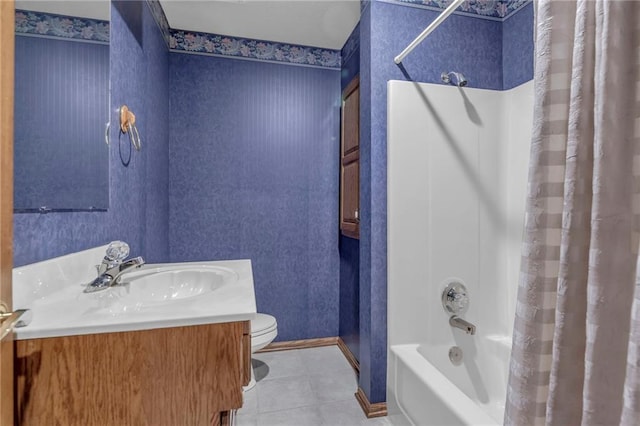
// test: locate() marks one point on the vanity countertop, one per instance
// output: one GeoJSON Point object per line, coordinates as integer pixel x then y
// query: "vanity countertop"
{"type": "Point", "coordinates": [53, 290]}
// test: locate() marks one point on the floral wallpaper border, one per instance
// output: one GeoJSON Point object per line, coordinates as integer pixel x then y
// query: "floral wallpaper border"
{"type": "Point", "coordinates": [161, 19]}
{"type": "Point", "coordinates": [221, 45]}
{"type": "Point", "coordinates": [487, 9]}
{"type": "Point", "coordinates": [60, 26]}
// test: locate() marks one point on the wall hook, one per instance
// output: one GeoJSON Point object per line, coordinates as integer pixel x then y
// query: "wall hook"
{"type": "Point", "coordinates": [128, 125]}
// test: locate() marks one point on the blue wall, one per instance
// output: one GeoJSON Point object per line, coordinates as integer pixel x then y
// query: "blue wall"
{"type": "Point", "coordinates": [517, 48]}
{"type": "Point", "coordinates": [63, 102]}
{"type": "Point", "coordinates": [254, 174]}
{"type": "Point", "coordinates": [132, 210]}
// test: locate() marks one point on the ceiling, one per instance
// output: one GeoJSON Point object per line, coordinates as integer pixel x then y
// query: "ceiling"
{"type": "Point", "coordinates": [319, 23]}
{"type": "Point", "coordinates": [94, 9]}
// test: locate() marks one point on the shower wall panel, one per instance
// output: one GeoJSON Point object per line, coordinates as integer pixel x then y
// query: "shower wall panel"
{"type": "Point", "coordinates": [456, 181]}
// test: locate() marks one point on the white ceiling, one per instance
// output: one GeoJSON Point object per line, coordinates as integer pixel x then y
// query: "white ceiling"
{"type": "Point", "coordinates": [94, 9]}
{"type": "Point", "coordinates": [320, 23]}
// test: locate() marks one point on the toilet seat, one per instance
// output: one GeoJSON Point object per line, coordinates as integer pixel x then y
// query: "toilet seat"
{"type": "Point", "coordinates": [264, 329]}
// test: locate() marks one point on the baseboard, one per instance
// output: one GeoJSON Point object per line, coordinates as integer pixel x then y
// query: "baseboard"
{"type": "Point", "coordinates": [300, 344]}
{"type": "Point", "coordinates": [348, 355]}
{"type": "Point", "coordinates": [379, 409]}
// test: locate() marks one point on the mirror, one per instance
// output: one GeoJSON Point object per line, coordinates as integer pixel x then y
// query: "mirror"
{"type": "Point", "coordinates": [61, 158]}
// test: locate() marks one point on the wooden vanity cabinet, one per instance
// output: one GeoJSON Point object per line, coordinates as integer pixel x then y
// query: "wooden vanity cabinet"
{"type": "Point", "coordinates": [169, 376]}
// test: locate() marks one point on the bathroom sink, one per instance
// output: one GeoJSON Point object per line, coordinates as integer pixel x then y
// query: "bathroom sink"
{"type": "Point", "coordinates": [153, 287]}
{"type": "Point", "coordinates": [170, 284]}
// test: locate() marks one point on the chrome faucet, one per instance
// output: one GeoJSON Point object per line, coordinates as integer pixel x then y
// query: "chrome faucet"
{"type": "Point", "coordinates": [113, 267]}
{"type": "Point", "coordinates": [467, 327]}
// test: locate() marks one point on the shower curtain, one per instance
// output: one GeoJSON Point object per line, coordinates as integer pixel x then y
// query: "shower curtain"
{"type": "Point", "coordinates": [576, 341]}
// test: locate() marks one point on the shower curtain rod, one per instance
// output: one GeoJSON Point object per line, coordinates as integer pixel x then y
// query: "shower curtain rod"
{"type": "Point", "coordinates": [436, 22]}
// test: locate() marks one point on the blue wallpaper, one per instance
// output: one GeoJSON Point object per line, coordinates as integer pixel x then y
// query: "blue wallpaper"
{"type": "Point", "coordinates": [42, 236]}
{"type": "Point", "coordinates": [350, 58]}
{"type": "Point", "coordinates": [156, 142]}
{"type": "Point", "coordinates": [517, 48]}
{"type": "Point", "coordinates": [372, 383]}
{"type": "Point", "coordinates": [471, 46]}
{"type": "Point", "coordinates": [254, 174]}
{"type": "Point", "coordinates": [349, 327]}
{"type": "Point", "coordinates": [59, 164]}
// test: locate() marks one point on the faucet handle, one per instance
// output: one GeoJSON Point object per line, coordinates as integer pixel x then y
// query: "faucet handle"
{"type": "Point", "coordinates": [455, 299]}
{"type": "Point", "coordinates": [117, 251]}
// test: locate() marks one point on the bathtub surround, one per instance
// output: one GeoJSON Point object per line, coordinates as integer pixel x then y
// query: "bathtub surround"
{"type": "Point", "coordinates": [576, 340]}
{"type": "Point", "coordinates": [451, 209]}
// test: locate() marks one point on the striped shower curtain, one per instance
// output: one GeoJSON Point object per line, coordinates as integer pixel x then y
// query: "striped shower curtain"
{"type": "Point", "coordinates": [576, 342]}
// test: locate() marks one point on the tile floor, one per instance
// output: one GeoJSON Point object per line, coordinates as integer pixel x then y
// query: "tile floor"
{"type": "Point", "coordinates": [304, 387]}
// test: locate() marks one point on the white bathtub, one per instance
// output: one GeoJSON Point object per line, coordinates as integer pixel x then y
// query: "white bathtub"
{"type": "Point", "coordinates": [428, 390]}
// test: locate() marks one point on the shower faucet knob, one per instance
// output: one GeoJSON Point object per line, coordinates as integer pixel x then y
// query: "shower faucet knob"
{"type": "Point", "coordinates": [455, 299]}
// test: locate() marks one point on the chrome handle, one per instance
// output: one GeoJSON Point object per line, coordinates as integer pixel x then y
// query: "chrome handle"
{"type": "Point", "coordinates": [455, 299]}
{"type": "Point", "coordinates": [16, 319]}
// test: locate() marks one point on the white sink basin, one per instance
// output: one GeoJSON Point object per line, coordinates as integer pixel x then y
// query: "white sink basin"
{"type": "Point", "coordinates": [161, 285]}
{"type": "Point", "coordinates": [152, 287]}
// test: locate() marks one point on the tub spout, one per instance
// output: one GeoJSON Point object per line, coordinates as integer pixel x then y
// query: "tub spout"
{"type": "Point", "coordinates": [463, 325]}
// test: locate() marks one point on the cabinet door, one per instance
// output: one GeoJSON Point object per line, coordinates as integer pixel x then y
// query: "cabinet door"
{"type": "Point", "coordinates": [350, 198]}
{"type": "Point", "coordinates": [351, 120]}
{"type": "Point", "coordinates": [350, 161]}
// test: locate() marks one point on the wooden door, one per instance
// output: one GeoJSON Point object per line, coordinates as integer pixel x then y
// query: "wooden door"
{"type": "Point", "coordinates": [7, 17]}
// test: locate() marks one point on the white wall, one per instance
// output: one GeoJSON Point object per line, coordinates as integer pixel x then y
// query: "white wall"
{"type": "Point", "coordinates": [457, 170]}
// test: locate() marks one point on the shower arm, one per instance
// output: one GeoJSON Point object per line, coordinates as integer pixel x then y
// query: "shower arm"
{"type": "Point", "coordinates": [436, 22]}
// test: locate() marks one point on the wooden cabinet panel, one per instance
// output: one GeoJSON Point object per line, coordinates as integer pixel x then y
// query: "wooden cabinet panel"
{"type": "Point", "coordinates": [351, 191]}
{"type": "Point", "coordinates": [351, 122]}
{"type": "Point", "coordinates": [350, 161]}
{"type": "Point", "coordinates": [168, 376]}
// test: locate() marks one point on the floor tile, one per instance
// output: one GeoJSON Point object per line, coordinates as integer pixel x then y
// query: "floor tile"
{"type": "Point", "coordinates": [306, 416]}
{"type": "Point", "coordinates": [342, 413]}
{"type": "Point", "coordinates": [246, 420]}
{"type": "Point", "coordinates": [250, 402]}
{"type": "Point", "coordinates": [334, 386]}
{"type": "Point", "coordinates": [327, 359]}
{"type": "Point", "coordinates": [285, 393]}
{"type": "Point", "coordinates": [275, 365]}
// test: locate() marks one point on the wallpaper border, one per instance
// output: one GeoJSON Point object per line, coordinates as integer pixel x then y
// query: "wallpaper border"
{"type": "Point", "coordinates": [49, 25]}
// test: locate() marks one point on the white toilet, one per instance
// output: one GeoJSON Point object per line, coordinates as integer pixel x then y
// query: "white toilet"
{"type": "Point", "coordinates": [264, 329]}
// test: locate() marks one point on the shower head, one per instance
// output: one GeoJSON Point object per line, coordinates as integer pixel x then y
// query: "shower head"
{"type": "Point", "coordinates": [460, 81]}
